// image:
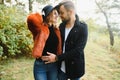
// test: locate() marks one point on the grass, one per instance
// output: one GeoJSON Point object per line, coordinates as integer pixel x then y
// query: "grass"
{"type": "Point", "coordinates": [101, 63]}
{"type": "Point", "coordinates": [16, 69]}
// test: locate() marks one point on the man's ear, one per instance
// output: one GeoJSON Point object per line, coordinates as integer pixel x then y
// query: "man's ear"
{"type": "Point", "coordinates": [70, 12]}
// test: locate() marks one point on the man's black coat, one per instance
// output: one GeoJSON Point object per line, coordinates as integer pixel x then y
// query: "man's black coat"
{"type": "Point", "coordinates": [74, 48]}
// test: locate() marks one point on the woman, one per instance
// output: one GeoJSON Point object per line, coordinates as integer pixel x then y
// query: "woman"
{"type": "Point", "coordinates": [46, 39]}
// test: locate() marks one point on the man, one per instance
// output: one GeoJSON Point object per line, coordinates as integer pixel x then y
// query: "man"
{"type": "Point", "coordinates": [74, 37]}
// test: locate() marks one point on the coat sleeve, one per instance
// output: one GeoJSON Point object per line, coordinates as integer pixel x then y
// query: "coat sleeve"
{"type": "Point", "coordinates": [34, 22]}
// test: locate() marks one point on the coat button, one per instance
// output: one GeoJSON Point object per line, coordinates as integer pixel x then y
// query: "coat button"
{"type": "Point", "coordinates": [72, 62]}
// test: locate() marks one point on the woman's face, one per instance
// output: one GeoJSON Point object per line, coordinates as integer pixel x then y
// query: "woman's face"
{"type": "Point", "coordinates": [53, 16]}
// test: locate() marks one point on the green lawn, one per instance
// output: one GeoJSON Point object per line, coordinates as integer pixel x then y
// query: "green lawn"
{"type": "Point", "coordinates": [17, 69]}
{"type": "Point", "coordinates": [101, 64]}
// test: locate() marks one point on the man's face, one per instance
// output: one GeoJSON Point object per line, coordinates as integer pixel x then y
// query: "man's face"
{"type": "Point", "coordinates": [64, 14]}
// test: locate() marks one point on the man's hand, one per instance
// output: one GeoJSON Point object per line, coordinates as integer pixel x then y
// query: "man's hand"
{"type": "Point", "coordinates": [50, 58]}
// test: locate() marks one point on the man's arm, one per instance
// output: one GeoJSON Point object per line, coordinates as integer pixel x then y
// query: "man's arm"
{"type": "Point", "coordinates": [50, 58]}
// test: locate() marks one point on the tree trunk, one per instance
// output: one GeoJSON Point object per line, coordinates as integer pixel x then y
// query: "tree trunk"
{"type": "Point", "coordinates": [110, 31]}
{"type": "Point", "coordinates": [30, 5]}
{"type": "Point", "coordinates": [108, 25]}
{"type": "Point", "coordinates": [2, 2]}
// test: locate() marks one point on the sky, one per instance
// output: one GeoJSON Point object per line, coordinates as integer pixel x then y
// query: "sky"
{"type": "Point", "coordinates": [85, 8]}
{"type": "Point", "coordinates": [85, 5]}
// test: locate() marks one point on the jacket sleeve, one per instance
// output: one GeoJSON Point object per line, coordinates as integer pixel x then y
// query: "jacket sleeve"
{"type": "Point", "coordinates": [34, 22]}
{"type": "Point", "coordinates": [79, 45]}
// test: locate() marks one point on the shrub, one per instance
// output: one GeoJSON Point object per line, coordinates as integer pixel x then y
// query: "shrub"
{"type": "Point", "coordinates": [14, 35]}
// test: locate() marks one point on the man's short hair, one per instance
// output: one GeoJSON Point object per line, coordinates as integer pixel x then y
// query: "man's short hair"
{"type": "Point", "coordinates": [67, 4]}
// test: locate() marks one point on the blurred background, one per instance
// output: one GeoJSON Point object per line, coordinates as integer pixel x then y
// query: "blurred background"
{"type": "Point", "coordinates": [102, 52]}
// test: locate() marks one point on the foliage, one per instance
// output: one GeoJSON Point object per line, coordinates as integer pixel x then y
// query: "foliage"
{"type": "Point", "coordinates": [99, 34]}
{"type": "Point", "coordinates": [111, 8]}
{"type": "Point", "coordinates": [44, 1]}
{"type": "Point", "coordinates": [15, 37]}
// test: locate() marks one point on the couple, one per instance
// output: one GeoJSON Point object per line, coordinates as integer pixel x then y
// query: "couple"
{"type": "Point", "coordinates": [59, 52]}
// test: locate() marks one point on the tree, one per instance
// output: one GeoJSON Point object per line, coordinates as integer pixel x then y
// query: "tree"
{"type": "Point", "coordinates": [30, 5]}
{"type": "Point", "coordinates": [43, 1]}
{"type": "Point", "coordinates": [107, 7]}
{"type": "Point", "coordinates": [1, 1]}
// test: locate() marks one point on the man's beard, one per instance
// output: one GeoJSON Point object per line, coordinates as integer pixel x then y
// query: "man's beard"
{"type": "Point", "coordinates": [65, 21]}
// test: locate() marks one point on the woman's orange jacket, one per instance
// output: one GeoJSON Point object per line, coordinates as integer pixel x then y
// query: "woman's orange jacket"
{"type": "Point", "coordinates": [40, 34]}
